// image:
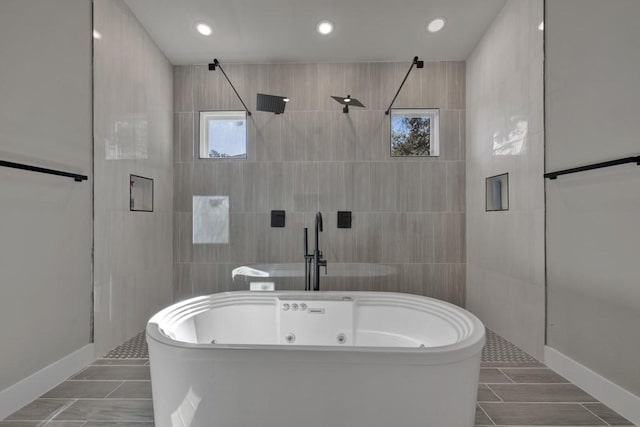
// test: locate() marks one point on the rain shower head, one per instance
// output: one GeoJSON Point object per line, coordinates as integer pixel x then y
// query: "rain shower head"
{"type": "Point", "coordinates": [271, 103]}
{"type": "Point", "coordinates": [348, 101]}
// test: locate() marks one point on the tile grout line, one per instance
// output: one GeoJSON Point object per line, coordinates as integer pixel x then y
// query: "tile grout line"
{"type": "Point", "coordinates": [59, 411]}
{"type": "Point", "coordinates": [508, 377]}
{"type": "Point", "coordinates": [111, 399]}
{"type": "Point", "coordinates": [485, 412]}
{"type": "Point", "coordinates": [113, 391]}
{"type": "Point", "coordinates": [107, 421]}
{"type": "Point", "coordinates": [496, 394]}
{"type": "Point", "coordinates": [573, 402]}
{"type": "Point", "coordinates": [596, 415]}
{"type": "Point", "coordinates": [543, 383]}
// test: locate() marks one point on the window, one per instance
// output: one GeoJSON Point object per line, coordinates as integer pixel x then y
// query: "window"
{"type": "Point", "coordinates": [223, 134]}
{"type": "Point", "coordinates": [415, 132]}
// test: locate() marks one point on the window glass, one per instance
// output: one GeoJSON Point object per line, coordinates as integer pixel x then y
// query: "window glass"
{"type": "Point", "coordinates": [415, 132]}
{"type": "Point", "coordinates": [223, 134]}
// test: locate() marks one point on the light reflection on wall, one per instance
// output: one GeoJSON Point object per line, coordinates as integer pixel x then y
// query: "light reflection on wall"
{"type": "Point", "coordinates": [511, 140]}
{"type": "Point", "coordinates": [128, 139]}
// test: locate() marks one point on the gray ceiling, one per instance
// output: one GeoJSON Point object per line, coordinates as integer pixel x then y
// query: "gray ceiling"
{"type": "Point", "coordinates": [257, 31]}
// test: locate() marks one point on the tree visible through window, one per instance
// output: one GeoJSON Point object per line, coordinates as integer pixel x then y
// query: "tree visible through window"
{"type": "Point", "coordinates": [414, 133]}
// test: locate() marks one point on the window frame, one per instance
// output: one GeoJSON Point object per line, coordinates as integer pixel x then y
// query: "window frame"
{"type": "Point", "coordinates": [433, 113]}
{"type": "Point", "coordinates": [203, 144]}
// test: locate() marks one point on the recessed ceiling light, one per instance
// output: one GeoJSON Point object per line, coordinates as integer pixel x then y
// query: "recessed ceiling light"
{"type": "Point", "coordinates": [97, 35]}
{"type": "Point", "coordinates": [541, 26]}
{"type": "Point", "coordinates": [325, 27]}
{"type": "Point", "coordinates": [436, 25]}
{"type": "Point", "coordinates": [204, 29]}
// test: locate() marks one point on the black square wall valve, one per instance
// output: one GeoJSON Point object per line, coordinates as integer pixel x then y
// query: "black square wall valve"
{"type": "Point", "coordinates": [277, 219]}
{"type": "Point", "coordinates": [344, 219]}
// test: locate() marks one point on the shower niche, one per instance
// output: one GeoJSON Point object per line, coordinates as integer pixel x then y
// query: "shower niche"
{"type": "Point", "coordinates": [140, 194]}
{"type": "Point", "coordinates": [497, 193]}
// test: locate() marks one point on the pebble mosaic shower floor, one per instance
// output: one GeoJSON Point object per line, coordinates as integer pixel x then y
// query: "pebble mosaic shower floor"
{"type": "Point", "coordinates": [514, 390]}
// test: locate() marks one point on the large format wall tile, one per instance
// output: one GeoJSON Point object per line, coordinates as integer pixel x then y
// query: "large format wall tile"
{"type": "Point", "coordinates": [505, 250]}
{"type": "Point", "coordinates": [408, 213]}
{"type": "Point", "coordinates": [142, 114]}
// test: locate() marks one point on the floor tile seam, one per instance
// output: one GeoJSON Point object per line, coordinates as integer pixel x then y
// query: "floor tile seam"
{"type": "Point", "coordinates": [118, 365]}
{"type": "Point", "coordinates": [102, 420]}
{"type": "Point", "coordinates": [56, 412]}
{"type": "Point", "coordinates": [496, 394]}
{"type": "Point", "coordinates": [111, 399]}
{"type": "Point", "coordinates": [510, 379]}
{"type": "Point", "coordinates": [96, 381]}
{"type": "Point", "coordinates": [111, 380]}
{"type": "Point", "coordinates": [486, 414]}
{"type": "Point", "coordinates": [112, 391]}
{"type": "Point", "coordinates": [596, 415]}
{"type": "Point", "coordinates": [521, 383]}
{"type": "Point", "coordinates": [574, 403]}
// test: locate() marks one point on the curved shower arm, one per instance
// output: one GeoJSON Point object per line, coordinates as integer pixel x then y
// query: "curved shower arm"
{"type": "Point", "coordinates": [216, 64]}
{"type": "Point", "coordinates": [417, 63]}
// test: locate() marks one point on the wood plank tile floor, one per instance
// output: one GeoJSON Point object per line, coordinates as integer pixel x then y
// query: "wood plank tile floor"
{"type": "Point", "coordinates": [514, 390]}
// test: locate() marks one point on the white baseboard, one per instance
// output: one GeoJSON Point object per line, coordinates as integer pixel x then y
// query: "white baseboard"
{"type": "Point", "coordinates": [617, 398]}
{"type": "Point", "coordinates": [34, 386]}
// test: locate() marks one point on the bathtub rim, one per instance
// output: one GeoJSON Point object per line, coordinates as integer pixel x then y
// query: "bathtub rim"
{"type": "Point", "coordinates": [468, 347]}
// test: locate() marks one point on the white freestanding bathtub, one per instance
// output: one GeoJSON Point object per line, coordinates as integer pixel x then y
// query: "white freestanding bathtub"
{"type": "Point", "coordinates": [314, 359]}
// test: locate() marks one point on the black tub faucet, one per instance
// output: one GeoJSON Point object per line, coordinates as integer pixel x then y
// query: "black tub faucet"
{"type": "Point", "coordinates": [313, 262]}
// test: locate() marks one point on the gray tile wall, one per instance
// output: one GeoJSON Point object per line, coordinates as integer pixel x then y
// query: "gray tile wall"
{"type": "Point", "coordinates": [505, 250]}
{"type": "Point", "coordinates": [133, 250]}
{"type": "Point", "coordinates": [407, 213]}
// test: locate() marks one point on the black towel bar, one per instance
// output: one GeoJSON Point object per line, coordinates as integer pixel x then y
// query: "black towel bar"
{"type": "Point", "coordinates": [554, 175]}
{"type": "Point", "coordinates": [76, 177]}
